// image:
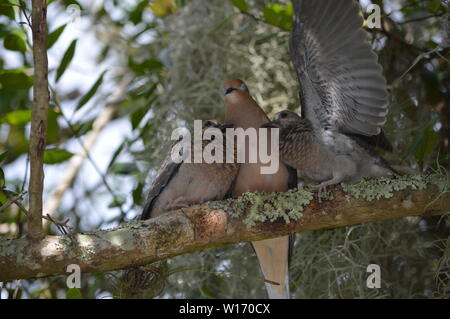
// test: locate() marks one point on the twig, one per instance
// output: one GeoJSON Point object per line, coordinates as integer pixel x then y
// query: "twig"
{"type": "Point", "coordinates": [60, 225]}
{"type": "Point", "coordinates": [16, 200]}
{"type": "Point", "coordinates": [12, 200]}
{"type": "Point", "coordinates": [39, 116]}
{"type": "Point", "coordinates": [23, 7]}
{"type": "Point", "coordinates": [423, 18]}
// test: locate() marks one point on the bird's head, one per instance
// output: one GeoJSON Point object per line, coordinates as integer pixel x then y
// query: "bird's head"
{"type": "Point", "coordinates": [213, 124]}
{"type": "Point", "coordinates": [234, 89]}
{"type": "Point", "coordinates": [283, 119]}
{"type": "Point", "coordinates": [210, 124]}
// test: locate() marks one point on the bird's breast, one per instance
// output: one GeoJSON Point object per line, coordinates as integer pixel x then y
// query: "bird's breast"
{"type": "Point", "coordinates": [250, 179]}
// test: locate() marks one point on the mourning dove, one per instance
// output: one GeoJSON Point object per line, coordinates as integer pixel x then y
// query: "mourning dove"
{"type": "Point", "coordinates": [182, 184]}
{"type": "Point", "coordinates": [179, 185]}
{"type": "Point", "coordinates": [303, 149]}
{"type": "Point", "coordinates": [343, 92]}
{"type": "Point", "coordinates": [243, 112]}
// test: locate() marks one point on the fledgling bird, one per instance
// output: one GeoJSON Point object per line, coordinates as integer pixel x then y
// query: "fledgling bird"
{"type": "Point", "coordinates": [343, 92]}
{"type": "Point", "coordinates": [179, 185]}
{"type": "Point", "coordinates": [273, 254]}
{"type": "Point", "coordinates": [302, 148]}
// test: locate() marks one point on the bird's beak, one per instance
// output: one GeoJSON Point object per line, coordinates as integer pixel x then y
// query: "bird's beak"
{"type": "Point", "coordinates": [229, 90]}
{"type": "Point", "coordinates": [223, 127]}
{"type": "Point", "coordinates": [274, 123]}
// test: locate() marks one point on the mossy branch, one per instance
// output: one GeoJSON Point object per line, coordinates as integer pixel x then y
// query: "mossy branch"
{"type": "Point", "coordinates": [252, 217]}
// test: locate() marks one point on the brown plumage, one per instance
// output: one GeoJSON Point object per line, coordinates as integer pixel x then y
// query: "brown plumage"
{"type": "Point", "coordinates": [180, 185]}
{"type": "Point", "coordinates": [243, 112]}
{"type": "Point", "coordinates": [302, 149]}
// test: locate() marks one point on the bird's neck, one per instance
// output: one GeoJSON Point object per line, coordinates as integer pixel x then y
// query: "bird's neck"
{"type": "Point", "coordinates": [245, 115]}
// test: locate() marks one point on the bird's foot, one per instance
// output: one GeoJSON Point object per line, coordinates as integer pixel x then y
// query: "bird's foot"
{"type": "Point", "coordinates": [178, 203]}
{"type": "Point", "coordinates": [322, 188]}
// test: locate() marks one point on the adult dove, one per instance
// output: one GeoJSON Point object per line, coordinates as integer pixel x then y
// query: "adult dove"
{"type": "Point", "coordinates": [273, 254]}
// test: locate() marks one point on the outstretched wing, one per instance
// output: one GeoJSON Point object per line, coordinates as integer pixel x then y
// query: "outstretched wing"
{"type": "Point", "coordinates": [166, 172]}
{"type": "Point", "coordinates": [342, 85]}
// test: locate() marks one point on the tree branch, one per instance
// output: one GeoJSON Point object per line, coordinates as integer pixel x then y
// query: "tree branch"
{"type": "Point", "coordinates": [208, 225]}
{"type": "Point", "coordinates": [39, 115]}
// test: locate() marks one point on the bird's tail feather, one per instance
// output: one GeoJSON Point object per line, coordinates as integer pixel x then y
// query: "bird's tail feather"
{"type": "Point", "coordinates": [273, 259]}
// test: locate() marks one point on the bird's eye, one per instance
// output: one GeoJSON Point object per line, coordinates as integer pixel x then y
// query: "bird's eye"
{"type": "Point", "coordinates": [243, 86]}
{"type": "Point", "coordinates": [283, 115]}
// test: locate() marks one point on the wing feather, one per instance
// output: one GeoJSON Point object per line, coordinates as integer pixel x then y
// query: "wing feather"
{"type": "Point", "coordinates": [342, 84]}
{"type": "Point", "coordinates": [165, 174]}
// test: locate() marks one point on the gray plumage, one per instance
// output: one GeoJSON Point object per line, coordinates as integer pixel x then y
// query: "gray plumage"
{"type": "Point", "coordinates": [345, 159]}
{"type": "Point", "coordinates": [182, 184]}
{"type": "Point", "coordinates": [343, 96]}
{"type": "Point", "coordinates": [342, 85]}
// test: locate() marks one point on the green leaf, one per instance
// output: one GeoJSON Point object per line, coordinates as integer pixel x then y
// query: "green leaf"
{"type": "Point", "coordinates": [15, 80]}
{"type": "Point", "coordinates": [136, 15]}
{"type": "Point", "coordinates": [137, 116]}
{"type": "Point", "coordinates": [55, 156]}
{"type": "Point", "coordinates": [6, 9]}
{"type": "Point", "coordinates": [434, 6]}
{"type": "Point", "coordinates": [67, 58]}
{"type": "Point", "coordinates": [73, 293]}
{"type": "Point", "coordinates": [240, 4]}
{"type": "Point", "coordinates": [124, 168]}
{"type": "Point", "coordinates": [54, 35]}
{"type": "Point", "coordinates": [116, 153]}
{"type": "Point", "coordinates": [2, 178]}
{"type": "Point", "coordinates": [425, 144]}
{"type": "Point", "coordinates": [19, 117]}
{"type": "Point", "coordinates": [3, 156]}
{"type": "Point", "coordinates": [3, 197]}
{"type": "Point", "coordinates": [145, 67]}
{"type": "Point", "coordinates": [17, 141]}
{"type": "Point", "coordinates": [137, 193]}
{"type": "Point", "coordinates": [117, 202]}
{"type": "Point", "coordinates": [279, 15]}
{"type": "Point", "coordinates": [52, 127]}
{"type": "Point", "coordinates": [15, 41]}
{"type": "Point", "coordinates": [91, 91]}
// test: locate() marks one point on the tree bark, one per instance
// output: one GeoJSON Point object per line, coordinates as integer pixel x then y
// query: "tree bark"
{"type": "Point", "coordinates": [199, 227]}
{"type": "Point", "coordinates": [39, 116]}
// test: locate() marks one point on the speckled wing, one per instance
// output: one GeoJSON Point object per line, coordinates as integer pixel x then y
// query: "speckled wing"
{"type": "Point", "coordinates": [342, 85]}
{"type": "Point", "coordinates": [166, 172]}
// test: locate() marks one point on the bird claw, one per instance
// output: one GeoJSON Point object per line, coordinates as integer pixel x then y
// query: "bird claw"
{"type": "Point", "coordinates": [320, 189]}
{"type": "Point", "coordinates": [177, 204]}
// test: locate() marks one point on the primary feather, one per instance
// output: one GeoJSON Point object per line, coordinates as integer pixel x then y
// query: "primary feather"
{"type": "Point", "coordinates": [342, 85]}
